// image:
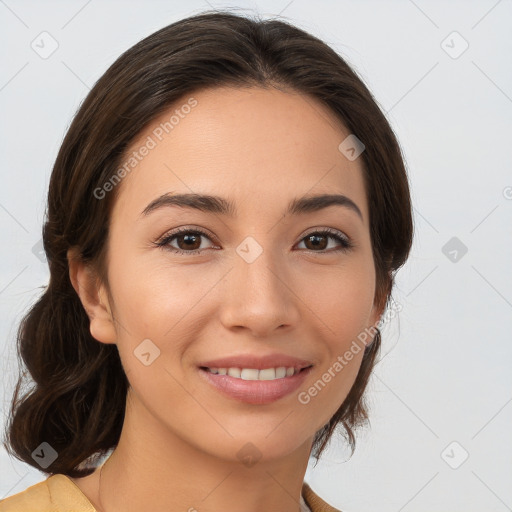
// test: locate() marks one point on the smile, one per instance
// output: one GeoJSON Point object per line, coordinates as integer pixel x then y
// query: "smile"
{"type": "Point", "coordinates": [255, 374]}
{"type": "Point", "coordinates": [253, 386]}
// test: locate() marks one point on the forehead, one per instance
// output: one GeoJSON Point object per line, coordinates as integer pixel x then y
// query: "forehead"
{"type": "Point", "coordinates": [259, 147]}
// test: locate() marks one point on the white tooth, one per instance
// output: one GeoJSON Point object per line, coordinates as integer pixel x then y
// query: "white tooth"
{"type": "Point", "coordinates": [234, 372]}
{"type": "Point", "coordinates": [280, 372]}
{"type": "Point", "coordinates": [254, 374]}
{"type": "Point", "coordinates": [249, 374]}
{"type": "Point", "coordinates": [268, 374]}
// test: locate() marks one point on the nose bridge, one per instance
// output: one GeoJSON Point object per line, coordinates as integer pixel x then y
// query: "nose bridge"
{"type": "Point", "coordinates": [259, 295]}
{"type": "Point", "coordinates": [257, 267]}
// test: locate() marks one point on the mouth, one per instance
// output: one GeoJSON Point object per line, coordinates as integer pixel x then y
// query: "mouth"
{"type": "Point", "coordinates": [266, 374]}
{"type": "Point", "coordinates": [255, 386]}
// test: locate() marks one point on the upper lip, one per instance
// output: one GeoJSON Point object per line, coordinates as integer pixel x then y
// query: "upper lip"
{"type": "Point", "coordinates": [257, 362]}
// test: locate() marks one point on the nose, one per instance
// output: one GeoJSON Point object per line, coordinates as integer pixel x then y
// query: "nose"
{"type": "Point", "coordinates": [258, 296]}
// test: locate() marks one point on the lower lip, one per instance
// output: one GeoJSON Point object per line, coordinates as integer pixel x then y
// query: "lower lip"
{"type": "Point", "coordinates": [255, 391]}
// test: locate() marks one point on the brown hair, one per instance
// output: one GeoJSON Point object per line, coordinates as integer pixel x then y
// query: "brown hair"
{"type": "Point", "coordinates": [77, 404]}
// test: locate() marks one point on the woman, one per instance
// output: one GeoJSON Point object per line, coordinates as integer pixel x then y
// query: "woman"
{"type": "Point", "coordinates": [225, 219]}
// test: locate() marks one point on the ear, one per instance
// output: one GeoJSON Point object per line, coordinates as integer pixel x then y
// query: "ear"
{"type": "Point", "coordinates": [94, 298]}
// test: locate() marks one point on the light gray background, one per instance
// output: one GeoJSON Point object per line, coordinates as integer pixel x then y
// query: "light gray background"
{"type": "Point", "coordinates": [447, 373]}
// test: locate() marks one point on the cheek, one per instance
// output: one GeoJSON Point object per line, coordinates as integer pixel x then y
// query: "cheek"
{"type": "Point", "coordinates": [167, 306]}
{"type": "Point", "coordinates": [152, 308]}
{"type": "Point", "coordinates": [342, 300]}
{"type": "Point", "coordinates": [152, 300]}
{"type": "Point", "coordinates": [343, 306]}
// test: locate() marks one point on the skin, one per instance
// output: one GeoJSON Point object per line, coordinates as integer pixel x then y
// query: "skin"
{"type": "Point", "coordinates": [180, 439]}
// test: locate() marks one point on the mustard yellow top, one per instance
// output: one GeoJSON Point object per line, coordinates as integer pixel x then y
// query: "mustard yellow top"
{"type": "Point", "coordinates": [59, 494]}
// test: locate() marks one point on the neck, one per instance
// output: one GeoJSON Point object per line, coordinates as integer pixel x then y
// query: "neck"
{"type": "Point", "coordinates": [152, 469]}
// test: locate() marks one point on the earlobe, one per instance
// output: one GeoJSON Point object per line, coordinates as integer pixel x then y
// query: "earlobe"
{"type": "Point", "coordinates": [93, 296]}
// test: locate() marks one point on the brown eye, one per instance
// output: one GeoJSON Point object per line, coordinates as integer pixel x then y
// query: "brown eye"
{"type": "Point", "coordinates": [188, 241]}
{"type": "Point", "coordinates": [318, 241]}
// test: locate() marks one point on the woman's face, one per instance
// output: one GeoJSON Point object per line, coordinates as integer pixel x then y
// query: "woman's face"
{"type": "Point", "coordinates": [254, 281]}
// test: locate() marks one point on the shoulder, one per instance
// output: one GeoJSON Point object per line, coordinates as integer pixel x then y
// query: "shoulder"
{"type": "Point", "coordinates": [314, 502]}
{"type": "Point", "coordinates": [59, 494]}
{"type": "Point", "coordinates": [55, 494]}
{"type": "Point", "coordinates": [36, 495]}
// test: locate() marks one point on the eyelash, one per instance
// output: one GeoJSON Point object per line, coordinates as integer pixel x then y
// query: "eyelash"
{"type": "Point", "coordinates": [346, 244]}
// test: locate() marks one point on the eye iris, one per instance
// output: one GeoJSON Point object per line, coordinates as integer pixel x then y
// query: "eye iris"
{"type": "Point", "coordinates": [314, 240]}
{"type": "Point", "coordinates": [188, 238]}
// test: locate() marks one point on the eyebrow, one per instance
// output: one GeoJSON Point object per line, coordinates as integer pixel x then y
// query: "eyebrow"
{"type": "Point", "coordinates": [219, 205]}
